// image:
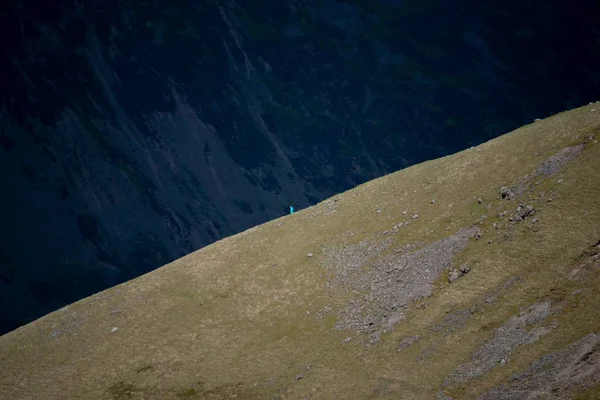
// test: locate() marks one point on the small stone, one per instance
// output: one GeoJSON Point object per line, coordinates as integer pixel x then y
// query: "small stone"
{"type": "Point", "coordinates": [502, 361]}
{"type": "Point", "coordinates": [432, 201]}
{"type": "Point", "coordinates": [308, 367]}
{"type": "Point", "coordinates": [560, 181]}
{"type": "Point", "coordinates": [465, 269]}
{"type": "Point", "coordinates": [480, 200]}
{"type": "Point", "coordinates": [404, 212]}
{"type": "Point", "coordinates": [535, 220]}
{"type": "Point", "coordinates": [114, 329]}
{"type": "Point", "coordinates": [348, 339]}
{"type": "Point", "coordinates": [299, 376]}
{"type": "Point", "coordinates": [378, 211]}
{"type": "Point", "coordinates": [309, 255]}
{"type": "Point", "coordinates": [415, 216]}
{"type": "Point", "coordinates": [454, 275]}
{"type": "Point", "coordinates": [537, 120]}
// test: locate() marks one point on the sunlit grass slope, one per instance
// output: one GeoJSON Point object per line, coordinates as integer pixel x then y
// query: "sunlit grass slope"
{"type": "Point", "coordinates": [351, 298]}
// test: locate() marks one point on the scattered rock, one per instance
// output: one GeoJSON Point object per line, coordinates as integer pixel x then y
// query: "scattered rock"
{"type": "Point", "coordinates": [425, 353]}
{"type": "Point", "coordinates": [549, 167]}
{"type": "Point", "coordinates": [348, 339]}
{"type": "Point", "coordinates": [524, 211]}
{"type": "Point", "coordinates": [299, 376]}
{"type": "Point", "coordinates": [374, 339]}
{"type": "Point", "coordinates": [407, 342]}
{"type": "Point", "coordinates": [415, 216]}
{"type": "Point", "coordinates": [480, 200]}
{"type": "Point", "coordinates": [505, 341]}
{"type": "Point", "coordinates": [55, 333]}
{"type": "Point", "coordinates": [392, 282]}
{"type": "Point", "coordinates": [453, 321]}
{"type": "Point", "coordinates": [535, 220]}
{"type": "Point", "coordinates": [396, 227]}
{"type": "Point", "coordinates": [560, 375]}
{"type": "Point", "coordinates": [454, 275]}
{"type": "Point", "coordinates": [507, 193]}
{"type": "Point", "coordinates": [323, 312]}
{"type": "Point", "coordinates": [114, 329]}
{"type": "Point", "coordinates": [309, 255]}
{"type": "Point", "coordinates": [511, 282]}
{"type": "Point", "coordinates": [432, 201]}
{"type": "Point", "coordinates": [554, 163]}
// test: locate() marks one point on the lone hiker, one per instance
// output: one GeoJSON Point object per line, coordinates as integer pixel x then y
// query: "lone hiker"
{"type": "Point", "coordinates": [291, 209]}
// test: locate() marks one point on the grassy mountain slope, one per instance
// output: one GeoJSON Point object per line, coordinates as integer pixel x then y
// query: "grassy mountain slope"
{"type": "Point", "coordinates": [351, 298]}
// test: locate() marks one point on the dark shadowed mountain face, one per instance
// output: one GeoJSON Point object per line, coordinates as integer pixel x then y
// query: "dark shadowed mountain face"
{"type": "Point", "coordinates": [133, 132]}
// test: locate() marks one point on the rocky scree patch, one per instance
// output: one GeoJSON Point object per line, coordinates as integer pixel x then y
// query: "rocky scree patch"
{"type": "Point", "coordinates": [389, 285]}
{"type": "Point", "coordinates": [505, 340]}
{"type": "Point", "coordinates": [559, 375]}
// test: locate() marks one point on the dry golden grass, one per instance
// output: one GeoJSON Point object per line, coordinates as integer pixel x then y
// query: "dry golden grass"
{"type": "Point", "coordinates": [240, 318]}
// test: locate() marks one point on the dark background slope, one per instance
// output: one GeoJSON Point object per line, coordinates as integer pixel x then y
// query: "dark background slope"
{"type": "Point", "coordinates": [133, 132]}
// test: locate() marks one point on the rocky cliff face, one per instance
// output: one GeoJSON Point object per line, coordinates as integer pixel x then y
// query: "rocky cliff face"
{"type": "Point", "coordinates": [132, 133]}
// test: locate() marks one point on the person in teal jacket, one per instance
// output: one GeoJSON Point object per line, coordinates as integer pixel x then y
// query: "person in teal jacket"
{"type": "Point", "coordinates": [291, 209]}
